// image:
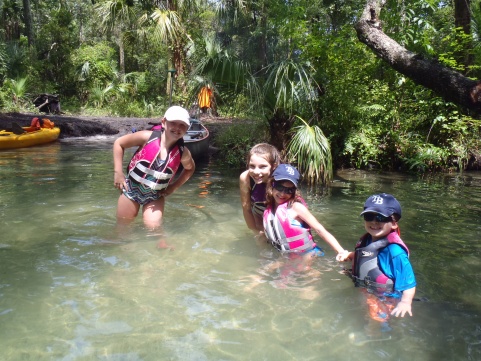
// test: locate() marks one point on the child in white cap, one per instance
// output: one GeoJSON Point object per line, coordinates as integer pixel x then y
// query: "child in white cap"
{"type": "Point", "coordinates": [151, 170]}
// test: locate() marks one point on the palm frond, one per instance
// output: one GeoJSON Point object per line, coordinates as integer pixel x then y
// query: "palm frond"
{"type": "Point", "coordinates": [231, 74]}
{"type": "Point", "coordinates": [113, 13]}
{"type": "Point", "coordinates": [310, 150]}
{"type": "Point", "coordinates": [18, 88]}
{"type": "Point", "coordinates": [168, 26]}
{"type": "Point", "coordinates": [290, 84]}
{"type": "Point", "coordinates": [229, 10]}
{"type": "Point", "coordinates": [85, 71]}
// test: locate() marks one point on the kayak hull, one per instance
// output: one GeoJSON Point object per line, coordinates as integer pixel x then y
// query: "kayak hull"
{"type": "Point", "coordinates": [197, 140]}
{"type": "Point", "coordinates": [10, 140]}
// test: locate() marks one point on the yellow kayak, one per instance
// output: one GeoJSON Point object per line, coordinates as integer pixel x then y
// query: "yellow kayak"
{"type": "Point", "coordinates": [10, 140]}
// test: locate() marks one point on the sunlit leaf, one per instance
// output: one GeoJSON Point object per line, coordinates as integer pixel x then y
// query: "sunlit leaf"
{"type": "Point", "coordinates": [311, 151]}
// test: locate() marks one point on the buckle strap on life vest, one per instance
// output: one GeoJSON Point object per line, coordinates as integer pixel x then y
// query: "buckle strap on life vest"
{"type": "Point", "coordinates": [300, 239]}
{"type": "Point", "coordinates": [153, 173]}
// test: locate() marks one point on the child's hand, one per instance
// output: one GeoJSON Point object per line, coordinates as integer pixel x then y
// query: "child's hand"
{"type": "Point", "coordinates": [119, 180]}
{"type": "Point", "coordinates": [166, 192]}
{"type": "Point", "coordinates": [162, 244]}
{"type": "Point", "coordinates": [343, 256]}
{"type": "Point", "coordinates": [260, 236]}
{"type": "Point", "coordinates": [401, 309]}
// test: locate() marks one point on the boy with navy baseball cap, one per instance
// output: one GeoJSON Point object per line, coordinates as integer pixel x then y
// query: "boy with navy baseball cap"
{"type": "Point", "coordinates": [380, 261]}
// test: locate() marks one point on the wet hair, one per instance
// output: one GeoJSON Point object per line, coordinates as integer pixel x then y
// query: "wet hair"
{"type": "Point", "coordinates": [266, 151]}
{"type": "Point", "coordinates": [296, 197]}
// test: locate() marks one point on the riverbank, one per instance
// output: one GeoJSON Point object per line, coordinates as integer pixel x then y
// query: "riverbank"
{"type": "Point", "coordinates": [85, 126]}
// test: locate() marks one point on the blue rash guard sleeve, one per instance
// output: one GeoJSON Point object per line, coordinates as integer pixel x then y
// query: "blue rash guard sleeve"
{"type": "Point", "coordinates": [394, 263]}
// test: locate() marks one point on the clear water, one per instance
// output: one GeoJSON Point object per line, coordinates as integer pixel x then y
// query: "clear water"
{"type": "Point", "coordinates": [73, 288]}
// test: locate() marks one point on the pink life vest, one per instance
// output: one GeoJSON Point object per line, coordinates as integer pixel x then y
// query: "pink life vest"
{"type": "Point", "coordinates": [285, 236]}
{"type": "Point", "coordinates": [145, 167]}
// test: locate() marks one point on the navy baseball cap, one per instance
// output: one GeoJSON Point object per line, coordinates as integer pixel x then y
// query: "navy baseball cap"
{"type": "Point", "coordinates": [286, 172]}
{"type": "Point", "coordinates": [382, 203]}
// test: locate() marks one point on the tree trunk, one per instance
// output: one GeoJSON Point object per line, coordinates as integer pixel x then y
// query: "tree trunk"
{"type": "Point", "coordinates": [27, 14]}
{"type": "Point", "coordinates": [178, 57]}
{"type": "Point", "coordinates": [462, 16]}
{"type": "Point", "coordinates": [449, 84]}
{"type": "Point", "coordinates": [279, 126]}
{"type": "Point", "coordinates": [121, 54]}
{"type": "Point", "coordinates": [262, 45]}
{"type": "Point", "coordinates": [462, 19]}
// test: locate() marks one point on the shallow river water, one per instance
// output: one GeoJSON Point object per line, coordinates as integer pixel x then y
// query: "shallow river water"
{"type": "Point", "coordinates": [74, 287]}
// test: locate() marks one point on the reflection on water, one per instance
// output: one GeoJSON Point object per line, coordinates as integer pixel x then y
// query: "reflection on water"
{"type": "Point", "coordinates": [71, 288]}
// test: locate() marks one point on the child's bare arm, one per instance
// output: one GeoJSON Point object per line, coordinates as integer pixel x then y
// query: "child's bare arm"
{"type": "Point", "coordinates": [127, 141]}
{"type": "Point", "coordinates": [189, 168]}
{"type": "Point", "coordinates": [303, 213]}
{"type": "Point", "coordinates": [404, 305]}
{"type": "Point", "coordinates": [245, 192]}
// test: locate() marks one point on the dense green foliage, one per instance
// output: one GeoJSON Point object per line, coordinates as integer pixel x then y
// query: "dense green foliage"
{"type": "Point", "coordinates": [276, 62]}
{"type": "Point", "coordinates": [236, 141]}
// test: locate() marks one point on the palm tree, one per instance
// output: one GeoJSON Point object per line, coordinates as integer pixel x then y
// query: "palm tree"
{"type": "Point", "coordinates": [311, 150]}
{"type": "Point", "coordinates": [168, 21]}
{"type": "Point", "coordinates": [118, 17]}
{"type": "Point", "coordinates": [18, 89]}
{"type": "Point", "coordinates": [27, 15]}
{"type": "Point", "coordinates": [220, 67]}
{"type": "Point", "coordinates": [289, 89]}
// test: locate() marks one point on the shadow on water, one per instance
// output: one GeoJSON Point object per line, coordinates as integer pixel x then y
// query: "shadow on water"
{"type": "Point", "coordinates": [73, 288]}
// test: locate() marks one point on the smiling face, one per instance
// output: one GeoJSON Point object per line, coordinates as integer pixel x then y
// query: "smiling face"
{"type": "Point", "coordinates": [283, 191]}
{"type": "Point", "coordinates": [379, 230]}
{"type": "Point", "coordinates": [259, 169]}
{"type": "Point", "coordinates": [175, 129]}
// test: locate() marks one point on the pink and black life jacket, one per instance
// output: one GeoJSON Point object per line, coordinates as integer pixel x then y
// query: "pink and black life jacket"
{"type": "Point", "coordinates": [146, 168]}
{"type": "Point", "coordinates": [284, 235]}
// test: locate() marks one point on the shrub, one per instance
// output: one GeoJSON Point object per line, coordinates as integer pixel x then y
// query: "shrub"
{"type": "Point", "coordinates": [235, 142]}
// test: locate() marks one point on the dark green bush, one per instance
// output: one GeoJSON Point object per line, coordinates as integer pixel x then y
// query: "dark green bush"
{"type": "Point", "coordinates": [235, 141]}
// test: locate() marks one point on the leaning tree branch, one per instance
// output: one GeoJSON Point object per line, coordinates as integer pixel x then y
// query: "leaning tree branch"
{"type": "Point", "coordinates": [449, 84]}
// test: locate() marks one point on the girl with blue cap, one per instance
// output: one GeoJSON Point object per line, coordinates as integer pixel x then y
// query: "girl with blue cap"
{"type": "Point", "coordinates": [288, 221]}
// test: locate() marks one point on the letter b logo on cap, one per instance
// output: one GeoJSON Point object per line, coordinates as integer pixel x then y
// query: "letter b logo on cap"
{"type": "Point", "coordinates": [377, 200]}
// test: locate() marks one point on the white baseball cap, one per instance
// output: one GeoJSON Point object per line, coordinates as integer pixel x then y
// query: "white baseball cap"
{"type": "Point", "coordinates": [177, 113]}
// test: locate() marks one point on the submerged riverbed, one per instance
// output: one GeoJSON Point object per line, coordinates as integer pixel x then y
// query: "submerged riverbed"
{"type": "Point", "coordinates": [74, 287]}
